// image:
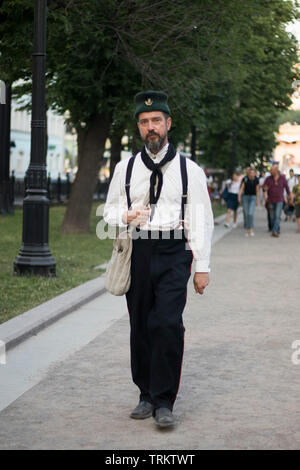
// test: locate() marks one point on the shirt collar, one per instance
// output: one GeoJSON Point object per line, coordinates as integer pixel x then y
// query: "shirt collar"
{"type": "Point", "coordinates": [159, 155]}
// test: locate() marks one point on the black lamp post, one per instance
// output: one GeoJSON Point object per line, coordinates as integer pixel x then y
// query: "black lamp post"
{"type": "Point", "coordinates": [6, 206]}
{"type": "Point", "coordinates": [35, 257]}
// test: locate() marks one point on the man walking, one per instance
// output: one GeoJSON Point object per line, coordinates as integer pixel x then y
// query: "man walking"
{"type": "Point", "coordinates": [289, 208]}
{"type": "Point", "coordinates": [274, 187]}
{"type": "Point", "coordinates": [163, 250]}
{"type": "Point", "coordinates": [292, 181]}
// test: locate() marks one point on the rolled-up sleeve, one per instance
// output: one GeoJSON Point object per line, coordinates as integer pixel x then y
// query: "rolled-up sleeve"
{"type": "Point", "coordinates": [116, 202]}
{"type": "Point", "coordinates": [199, 221]}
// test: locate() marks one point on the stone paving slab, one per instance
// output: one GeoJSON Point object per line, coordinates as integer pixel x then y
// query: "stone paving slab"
{"type": "Point", "coordinates": [239, 386]}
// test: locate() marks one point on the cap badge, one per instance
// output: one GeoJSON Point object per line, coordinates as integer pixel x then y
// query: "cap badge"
{"type": "Point", "coordinates": [148, 102]}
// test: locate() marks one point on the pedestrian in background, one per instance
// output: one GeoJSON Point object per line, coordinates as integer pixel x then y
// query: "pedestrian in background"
{"type": "Point", "coordinates": [249, 198]}
{"type": "Point", "coordinates": [292, 180]}
{"type": "Point", "coordinates": [265, 204]}
{"type": "Point", "coordinates": [232, 203]}
{"type": "Point", "coordinates": [274, 187]}
{"type": "Point", "coordinates": [289, 208]}
{"type": "Point", "coordinates": [262, 178]}
{"type": "Point", "coordinates": [296, 201]}
{"type": "Point", "coordinates": [247, 173]}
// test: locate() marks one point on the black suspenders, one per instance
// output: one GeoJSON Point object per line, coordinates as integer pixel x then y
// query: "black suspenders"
{"type": "Point", "coordinates": [127, 180]}
{"type": "Point", "coordinates": [184, 179]}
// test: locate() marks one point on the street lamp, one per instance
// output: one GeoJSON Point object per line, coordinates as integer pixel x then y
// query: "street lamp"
{"type": "Point", "coordinates": [6, 206]}
{"type": "Point", "coordinates": [35, 257]}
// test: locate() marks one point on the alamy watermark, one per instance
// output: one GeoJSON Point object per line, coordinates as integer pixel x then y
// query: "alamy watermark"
{"type": "Point", "coordinates": [296, 354]}
{"type": "Point", "coordinates": [2, 353]}
{"type": "Point", "coordinates": [196, 214]}
{"type": "Point", "coordinates": [2, 92]}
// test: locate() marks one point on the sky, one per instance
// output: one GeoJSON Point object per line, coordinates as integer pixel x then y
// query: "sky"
{"type": "Point", "coordinates": [295, 29]}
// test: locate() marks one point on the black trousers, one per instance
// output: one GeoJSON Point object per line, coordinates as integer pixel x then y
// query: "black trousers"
{"type": "Point", "coordinates": [160, 270]}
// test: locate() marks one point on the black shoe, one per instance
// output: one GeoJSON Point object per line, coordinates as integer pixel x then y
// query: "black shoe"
{"type": "Point", "coordinates": [163, 417]}
{"type": "Point", "coordinates": [142, 411]}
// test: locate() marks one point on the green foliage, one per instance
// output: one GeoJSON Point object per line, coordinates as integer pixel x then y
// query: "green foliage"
{"type": "Point", "coordinates": [207, 55]}
{"type": "Point", "coordinates": [292, 116]}
{"type": "Point", "coordinates": [245, 105]}
{"type": "Point", "coordinates": [16, 40]}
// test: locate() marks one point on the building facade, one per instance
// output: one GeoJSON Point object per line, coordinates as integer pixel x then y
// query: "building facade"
{"type": "Point", "coordinates": [287, 151]}
{"type": "Point", "coordinates": [21, 139]}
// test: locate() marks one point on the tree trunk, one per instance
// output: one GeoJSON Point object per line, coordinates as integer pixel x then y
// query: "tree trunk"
{"type": "Point", "coordinates": [193, 143]}
{"type": "Point", "coordinates": [115, 151]}
{"type": "Point", "coordinates": [214, 157]}
{"type": "Point", "coordinates": [136, 143]}
{"type": "Point", "coordinates": [91, 143]}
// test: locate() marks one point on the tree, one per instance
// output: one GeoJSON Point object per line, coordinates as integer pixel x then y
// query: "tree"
{"type": "Point", "coordinates": [261, 86]}
{"type": "Point", "coordinates": [100, 53]}
{"type": "Point", "coordinates": [206, 55]}
{"type": "Point", "coordinates": [114, 49]}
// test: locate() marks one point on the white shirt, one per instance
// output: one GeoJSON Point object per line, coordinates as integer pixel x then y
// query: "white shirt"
{"type": "Point", "coordinates": [262, 180]}
{"type": "Point", "coordinates": [198, 221]}
{"type": "Point", "coordinates": [234, 187]}
{"type": "Point", "coordinates": [291, 182]}
{"type": "Point", "coordinates": [157, 157]}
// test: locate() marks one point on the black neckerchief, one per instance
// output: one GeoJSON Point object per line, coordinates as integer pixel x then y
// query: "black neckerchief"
{"type": "Point", "coordinates": [156, 172]}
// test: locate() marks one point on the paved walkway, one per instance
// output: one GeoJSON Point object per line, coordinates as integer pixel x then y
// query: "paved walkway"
{"type": "Point", "coordinates": [239, 387]}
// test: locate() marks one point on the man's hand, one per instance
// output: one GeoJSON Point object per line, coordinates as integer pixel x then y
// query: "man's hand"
{"type": "Point", "coordinates": [201, 280]}
{"type": "Point", "coordinates": [137, 216]}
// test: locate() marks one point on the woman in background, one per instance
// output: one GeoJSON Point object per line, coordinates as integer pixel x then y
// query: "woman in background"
{"type": "Point", "coordinates": [249, 196]}
{"type": "Point", "coordinates": [232, 199]}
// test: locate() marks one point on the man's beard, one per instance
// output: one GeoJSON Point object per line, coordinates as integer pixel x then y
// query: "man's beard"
{"type": "Point", "coordinates": [155, 146]}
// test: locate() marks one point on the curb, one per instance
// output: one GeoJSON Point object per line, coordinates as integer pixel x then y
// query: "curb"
{"type": "Point", "coordinates": [20, 328]}
{"type": "Point", "coordinates": [222, 217]}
